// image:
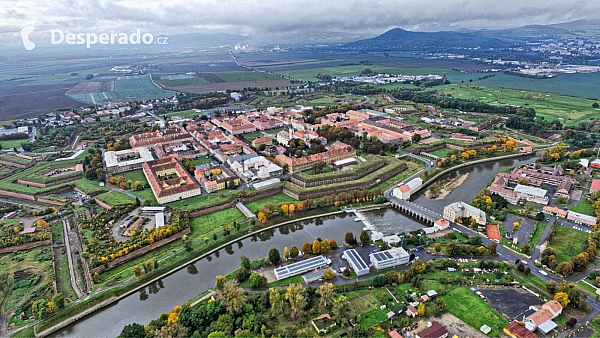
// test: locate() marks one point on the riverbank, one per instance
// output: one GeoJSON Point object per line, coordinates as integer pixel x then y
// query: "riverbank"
{"type": "Point", "coordinates": [127, 290]}
{"type": "Point", "coordinates": [444, 188]}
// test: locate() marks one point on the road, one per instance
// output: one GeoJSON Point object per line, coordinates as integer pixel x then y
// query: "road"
{"type": "Point", "coordinates": [70, 257]}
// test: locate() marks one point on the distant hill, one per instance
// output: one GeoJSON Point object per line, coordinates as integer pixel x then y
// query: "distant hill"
{"type": "Point", "coordinates": [400, 39]}
{"type": "Point", "coordinates": [406, 40]}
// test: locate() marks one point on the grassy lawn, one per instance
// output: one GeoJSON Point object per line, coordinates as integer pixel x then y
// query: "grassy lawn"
{"type": "Point", "coordinates": [12, 143]}
{"type": "Point", "coordinates": [137, 175]}
{"type": "Point", "coordinates": [326, 169]}
{"type": "Point", "coordinates": [537, 234]}
{"type": "Point", "coordinates": [468, 307]}
{"type": "Point", "coordinates": [204, 201]}
{"type": "Point", "coordinates": [202, 160]}
{"type": "Point", "coordinates": [205, 224]}
{"type": "Point", "coordinates": [252, 136]}
{"type": "Point", "coordinates": [287, 281]}
{"type": "Point", "coordinates": [547, 105]}
{"type": "Point", "coordinates": [145, 195]}
{"type": "Point", "coordinates": [583, 207]}
{"type": "Point", "coordinates": [113, 198]}
{"type": "Point", "coordinates": [595, 324]}
{"type": "Point", "coordinates": [586, 288]}
{"type": "Point", "coordinates": [567, 243]}
{"type": "Point", "coordinates": [373, 317]}
{"type": "Point", "coordinates": [273, 131]}
{"type": "Point", "coordinates": [89, 187]}
{"type": "Point", "coordinates": [246, 76]}
{"type": "Point", "coordinates": [258, 204]}
{"type": "Point", "coordinates": [442, 152]}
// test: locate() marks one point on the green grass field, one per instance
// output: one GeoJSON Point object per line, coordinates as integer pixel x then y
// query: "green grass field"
{"type": "Point", "coordinates": [113, 198]}
{"type": "Point", "coordinates": [468, 307]}
{"type": "Point", "coordinates": [137, 175]}
{"type": "Point", "coordinates": [258, 204]}
{"type": "Point", "coordinates": [567, 243]}
{"type": "Point", "coordinates": [442, 152]}
{"type": "Point", "coordinates": [547, 105]}
{"type": "Point", "coordinates": [252, 136]}
{"type": "Point", "coordinates": [12, 143]}
{"type": "Point", "coordinates": [202, 160]}
{"type": "Point", "coordinates": [204, 201]}
{"type": "Point", "coordinates": [89, 187]}
{"type": "Point", "coordinates": [583, 207]}
{"type": "Point", "coordinates": [203, 225]}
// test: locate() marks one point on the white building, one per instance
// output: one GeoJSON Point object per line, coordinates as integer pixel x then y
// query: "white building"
{"type": "Point", "coordinates": [126, 160]}
{"type": "Point", "coordinates": [356, 262]}
{"type": "Point", "coordinates": [531, 194]}
{"type": "Point", "coordinates": [389, 258]}
{"type": "Point", "coordinates": [581, 218]}
{"type": "Point", "coordinates": [462, 209]}
{"type": "Point", "coordinates": [376, 236]}
{"type": "Point", "coordinates": [404, 191]}
{"type": "Point", "coordinates": [391, 240]}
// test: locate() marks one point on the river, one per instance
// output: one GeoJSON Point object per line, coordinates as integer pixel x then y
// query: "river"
{"type": "Point", "coordinates": [178, 288]}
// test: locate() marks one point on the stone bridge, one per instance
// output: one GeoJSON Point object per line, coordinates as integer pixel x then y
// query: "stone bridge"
{"type": "Point", "coordinates": [415, 211]}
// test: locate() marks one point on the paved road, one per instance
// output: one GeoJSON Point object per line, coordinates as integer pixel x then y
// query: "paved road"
{"type": "Point", "coordinates": [70, 257]}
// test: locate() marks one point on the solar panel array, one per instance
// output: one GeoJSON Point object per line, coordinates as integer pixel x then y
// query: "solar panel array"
{"type": "Point", "coordinates": [300, 267]}
{"type": "Point", "coordinates": [382, 256]}
{"type": "Point", "coordinates": [356, 259]}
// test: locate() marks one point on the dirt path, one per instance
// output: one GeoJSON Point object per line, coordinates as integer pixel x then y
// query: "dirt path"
{"type": "Point", "coordinates": [72, 268]}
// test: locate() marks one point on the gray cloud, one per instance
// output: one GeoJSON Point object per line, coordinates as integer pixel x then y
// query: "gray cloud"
{"type": "Point", "coordinates": [259, 17]}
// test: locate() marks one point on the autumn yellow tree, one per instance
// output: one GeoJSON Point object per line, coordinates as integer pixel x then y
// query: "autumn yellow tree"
{"type": "Point", "coordinates": [42, 224]}
{"type": "Point", "coordinates": [316, 247]}
{"type": "Point", "coordinates": [562, 298]}
{"type": "Point", "coordinates": [421, 310]}
{"type": "Point", "coordinates": [262, 217]}
{"type": "Point", "coordinates": [285, 208]}
{"type": "Point", "coordinates": [291, 208]}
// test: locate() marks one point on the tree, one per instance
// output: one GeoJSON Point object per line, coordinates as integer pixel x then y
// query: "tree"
{"type": "Point", "coordinates": [316, 247]}
{"type": "Point", "coordinates": [328, 274]}
{"type": "Point", "coordinates": [296, 298]}
{"type": "Point", "coordinates": [51, 307]}
{"type": "Point", "coordinates": [245, 263]}
{"type": "Point", "coordinates": [58, 300]}
{"type": "Point", "coordinates": [565, 268]}
{"type": "Point", "coordinates": [227, 229]}
{"type": "Point", "coordinates": [286, 253]}
{"type": "Point", "coordinates": [325, 246]}
{"type": "Point", "coordinates": [379, 281]}
{"type": "Point", "coordinates": [333, 244]}
{"type": "Point", "coordinates": [359, 332]}
{"type": "Point", "coordinates": [421, 310]}
{"type": "Point", "coordinates": [326, 292]}
{"type": "Point", "coordinates": [137, 271]}
{"type": "Point", "coordinates": [306, 248]}
{"type": "Point", "coordinates": [134, 330]}
{"type": "Point", "coordinates": [364, 237]}
{"type": "Point", "coordinates": [526, 249]}
{"type": "Point", "coordinates": [262, 217]}
{"type": "Point", "coordinates": [294, 252]}
{"type": "Point", "coordinates": [232, 297]}
{"type": "Point", "coordinates": [274, 256]}
{"type": "Point", "coordinates": [342, 311]}
{"type": "Point", "coordinates": [562, 298]}
{"type": "Point", "coordinates": [255, 280]}
{"type": "Point", "coordinates": [492, 248]}
{"type": "Point", "coordinates": [416, 138]}
{"type": "Point", "coordinates": [187, 243]}
{"type": "Point", "coordinates": [437, 247]}
{"type": "Point", "coordinates": [349, 238]}
{"type": "Point", "coordinates": [220, 282]}
{"type": "Point", "coordinates": [551, 287]}
{"type": "Point", "coordinates": [276, 302]}
{"type": "Point", "coordinates": [148, 266]}
{"type": "Point", "coordinates": [439, 306]}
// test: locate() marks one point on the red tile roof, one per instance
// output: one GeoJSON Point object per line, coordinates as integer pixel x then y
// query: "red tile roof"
{"type": "Point", "coordinates": [519, 331]}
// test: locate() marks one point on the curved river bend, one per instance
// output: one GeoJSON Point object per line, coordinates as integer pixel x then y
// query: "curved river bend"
{"type": "Point", "coordinates": [178, 288]}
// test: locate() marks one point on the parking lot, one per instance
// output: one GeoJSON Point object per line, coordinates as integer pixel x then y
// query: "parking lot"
{"type": "Point", "coordinates": [525, 227]}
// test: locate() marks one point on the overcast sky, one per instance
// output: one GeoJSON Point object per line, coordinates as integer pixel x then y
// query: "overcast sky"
{"type": "Point", "coordinates": [259, 17]}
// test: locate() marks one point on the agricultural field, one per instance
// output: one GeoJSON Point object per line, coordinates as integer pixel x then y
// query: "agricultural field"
{"type": "Point", "coordinates": [582, 85]}
{"type": "Point", "coordinates": [122, 88]}
{"type": "Point", "coordinates": [567, 243]}
{"type": "Point", "coordinates": [547, 105]}
{"type": "Point", "coordinates": [113, 198]}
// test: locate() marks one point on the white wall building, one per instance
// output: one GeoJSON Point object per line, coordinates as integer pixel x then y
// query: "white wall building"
{"type": "Point", "coordinates": [462, 209]}
{"type": "Point", "coordinates": [389, 258]}
{"type": "Point", "coordinates": [531, 194]}
{"type": "Point", "coordinates": [356, 262]}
